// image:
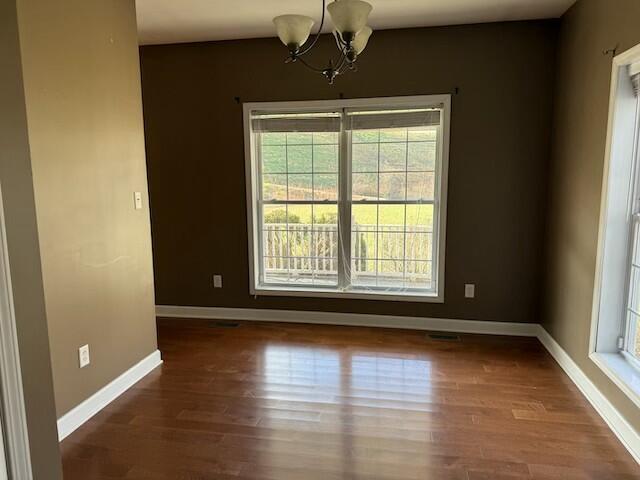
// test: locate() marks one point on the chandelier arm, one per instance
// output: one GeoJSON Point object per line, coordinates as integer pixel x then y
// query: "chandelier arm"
{"type": "Point", "coordinates": [343, 62]}
{"type": "Point", "coordinates": [309, 66]}
{"type": "Point", "coordinates": [317, 37]}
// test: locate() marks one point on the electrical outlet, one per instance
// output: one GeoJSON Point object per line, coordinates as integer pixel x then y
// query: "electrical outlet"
{"type": "Point", "coordinates": [470, 290]}
{"type": "Point", "coordinates": [83, 356]}
{"type": "Point", "coordinates": [217, 281]}
{"type": "Point", "coordinates": [137, 200]}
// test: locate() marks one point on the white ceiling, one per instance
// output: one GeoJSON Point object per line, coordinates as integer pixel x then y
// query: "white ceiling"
{"type": "Point", "coordinates": [175, 21]}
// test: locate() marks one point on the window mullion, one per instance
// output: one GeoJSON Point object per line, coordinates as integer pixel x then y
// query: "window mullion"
{"type": "Point", "coordinates": [344, 207]}
{"type": "Point", "coordinates": [435, 225]}
{"type": "Point", "coordinates": [259, 204]}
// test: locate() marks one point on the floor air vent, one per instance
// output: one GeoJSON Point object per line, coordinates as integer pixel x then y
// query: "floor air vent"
{"type": "Point", "coordinates": [223, 324]}
{"type": "Point", "coordinates": [444, 337]}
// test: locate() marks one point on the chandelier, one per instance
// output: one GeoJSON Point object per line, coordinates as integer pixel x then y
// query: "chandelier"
{"type": "Point", "coordinates": [349, 18]}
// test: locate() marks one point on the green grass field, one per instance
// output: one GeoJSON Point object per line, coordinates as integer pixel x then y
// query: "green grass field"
{"type": "Point", "coordinates": [416, 215]}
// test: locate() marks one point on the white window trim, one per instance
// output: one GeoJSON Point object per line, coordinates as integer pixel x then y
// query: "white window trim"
{"type": "Point", "coordinates": [619, 366]}
{"type": "Point", "coordinates": [252, 195]}
{"type": "Point", "coordinates": [13, 416]}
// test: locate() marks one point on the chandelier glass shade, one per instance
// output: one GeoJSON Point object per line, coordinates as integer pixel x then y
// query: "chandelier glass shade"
{"type": "Point", "coordinates": [361, 40]}
{"type": "Point", "coordinates": [293, 29]}
{"type": "Point", "coordinates": [349, 15]}
{"type": "Point", "coordinates": [349, 18]}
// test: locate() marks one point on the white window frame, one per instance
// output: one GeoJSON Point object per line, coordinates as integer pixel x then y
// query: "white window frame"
{"type": "Point", "coordinates": [440, 194]}
{"type": "Point", "coordinates": [609, 340]}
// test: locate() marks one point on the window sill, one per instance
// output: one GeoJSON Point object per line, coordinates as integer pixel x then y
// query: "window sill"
{"type": "Point", "coordinates": [621, 372]}
{"type": "Point", "coordinates": [428, 297]}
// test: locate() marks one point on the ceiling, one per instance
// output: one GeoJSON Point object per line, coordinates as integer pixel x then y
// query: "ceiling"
{"type": "Point", "coordinates": [175, 21]}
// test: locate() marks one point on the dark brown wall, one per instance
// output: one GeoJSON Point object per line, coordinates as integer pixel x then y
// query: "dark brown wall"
{"type": "Point", "coordinates": [575, 180]}
{"type": "Point", "coordinates": [499, 149]}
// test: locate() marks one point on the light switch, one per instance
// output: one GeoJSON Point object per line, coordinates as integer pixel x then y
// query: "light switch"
{"type": "Point", "coordinates": [217, 281]}
{"type": "Point", "coordinates": [470, 290]}
{"type": "Point", "coordinates": [137, 199]}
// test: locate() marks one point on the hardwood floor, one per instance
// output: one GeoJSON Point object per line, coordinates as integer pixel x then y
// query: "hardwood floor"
{"type": "Point", "coordinates": [310, 402]}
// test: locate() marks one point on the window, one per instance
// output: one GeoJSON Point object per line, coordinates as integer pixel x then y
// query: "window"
{"type": "Point", "coordinates": [615, 339]}
{"type": "Point", "coordinates": [631, 333]}
{"type": "Point", "coordinates": [347, 198]}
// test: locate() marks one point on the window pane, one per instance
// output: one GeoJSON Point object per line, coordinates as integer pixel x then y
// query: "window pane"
{"type": "Point", "coordinates": [364, 157]}
{"type": "Point", "coordinates": [300, 187]}
{"type": "Point", "coordinates": [364, 226]}
{"type": "Point", "coordinates": [364, 186]}
{"type": "Point", "coordinates": [274, 138]}
{"type": "Point", "coordinates": [633, 313]}
{"type": "Point", "coordinates": [422, 134]}
{"type": "Point", "coordinates": [300, 213]}
{"type": "Point", "coordinates": [421, 156]}
{"type": "Point", "coordinates": [325, 244]}
{"type": "Point", "coordinates": [300, 263]}
{"type": "Point", "coordinates": [274, 159]}
{"type": "Point", "coordinates": [636, 243]}
{"type": "Point", "coordinates": [420, 185]}
{"type": "Point", "coordinates": [391, 242]}
{"type": "Point", "coordinates": [365, 136]}
{"type": "Point", "coordinates": [299, 158]}
{"type": "Point", "coordinates": [275, 245]}
{"type": "Point", "coordinates": [323, 138]}
{"type": "Point", "coordinates": [325, 187]}
{"type": "Point", "coordinates": [420, 216]}
{"type": "Point", "coordinates": [393, 157]}
{"type": "Point", "coordinates": [390, 274]}
{"type": "Point", "coordinates": [393, 135]}
{"type": "Point", "coordinates": [392, 246]}
{"type": "Point", "coordinates": [325, 215]}
{"type": "Point", "coordinates": [300, 244]}
{"type": "Point", "coordinates": [634, 290]}
{"type": "Point", "coordinates": [364, 215]}
{"type": "Point", "coordinates": [299, 138]}
{"type": "Point", "coordinates": [325, 158]}
{"type": "Point", "coordinates": [313, 246]}
{"type": "Point", "coordinates": [391, 216]}
{"type": "Point", "coordinates": [418, 274]}
{"type": "Point", "coordinates": [418, 245]}
{"type": "Point", "coordinates": [634, 331]}
{"type": "Point", "coordinates": [299, 241]}
{"type": "Point", "coordinates": [393, 186]}
{"type": "Point", "coordinates": [274, 187]}
{"type": "Point", "coordinates": [277, 216]}
{"type": "Point", "coordinates": [363, 248]}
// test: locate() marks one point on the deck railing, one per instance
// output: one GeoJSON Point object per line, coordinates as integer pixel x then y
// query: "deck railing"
{"type": "Point", "coordinates": [306, 247]}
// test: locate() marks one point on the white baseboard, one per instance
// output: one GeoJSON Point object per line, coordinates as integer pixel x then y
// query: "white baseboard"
{"type": "Point", "coordinates": [620, 427]}
{"type": "Point", "coordinates": [617, 423]}
{"type": "Point", "coordinates": [96, 402]}
{"type": "Point", "coordinates": [351, 319]}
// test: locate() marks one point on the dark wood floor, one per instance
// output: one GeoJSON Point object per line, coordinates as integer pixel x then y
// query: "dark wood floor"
{"type": "Point", "coordinates": [282, 402]}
